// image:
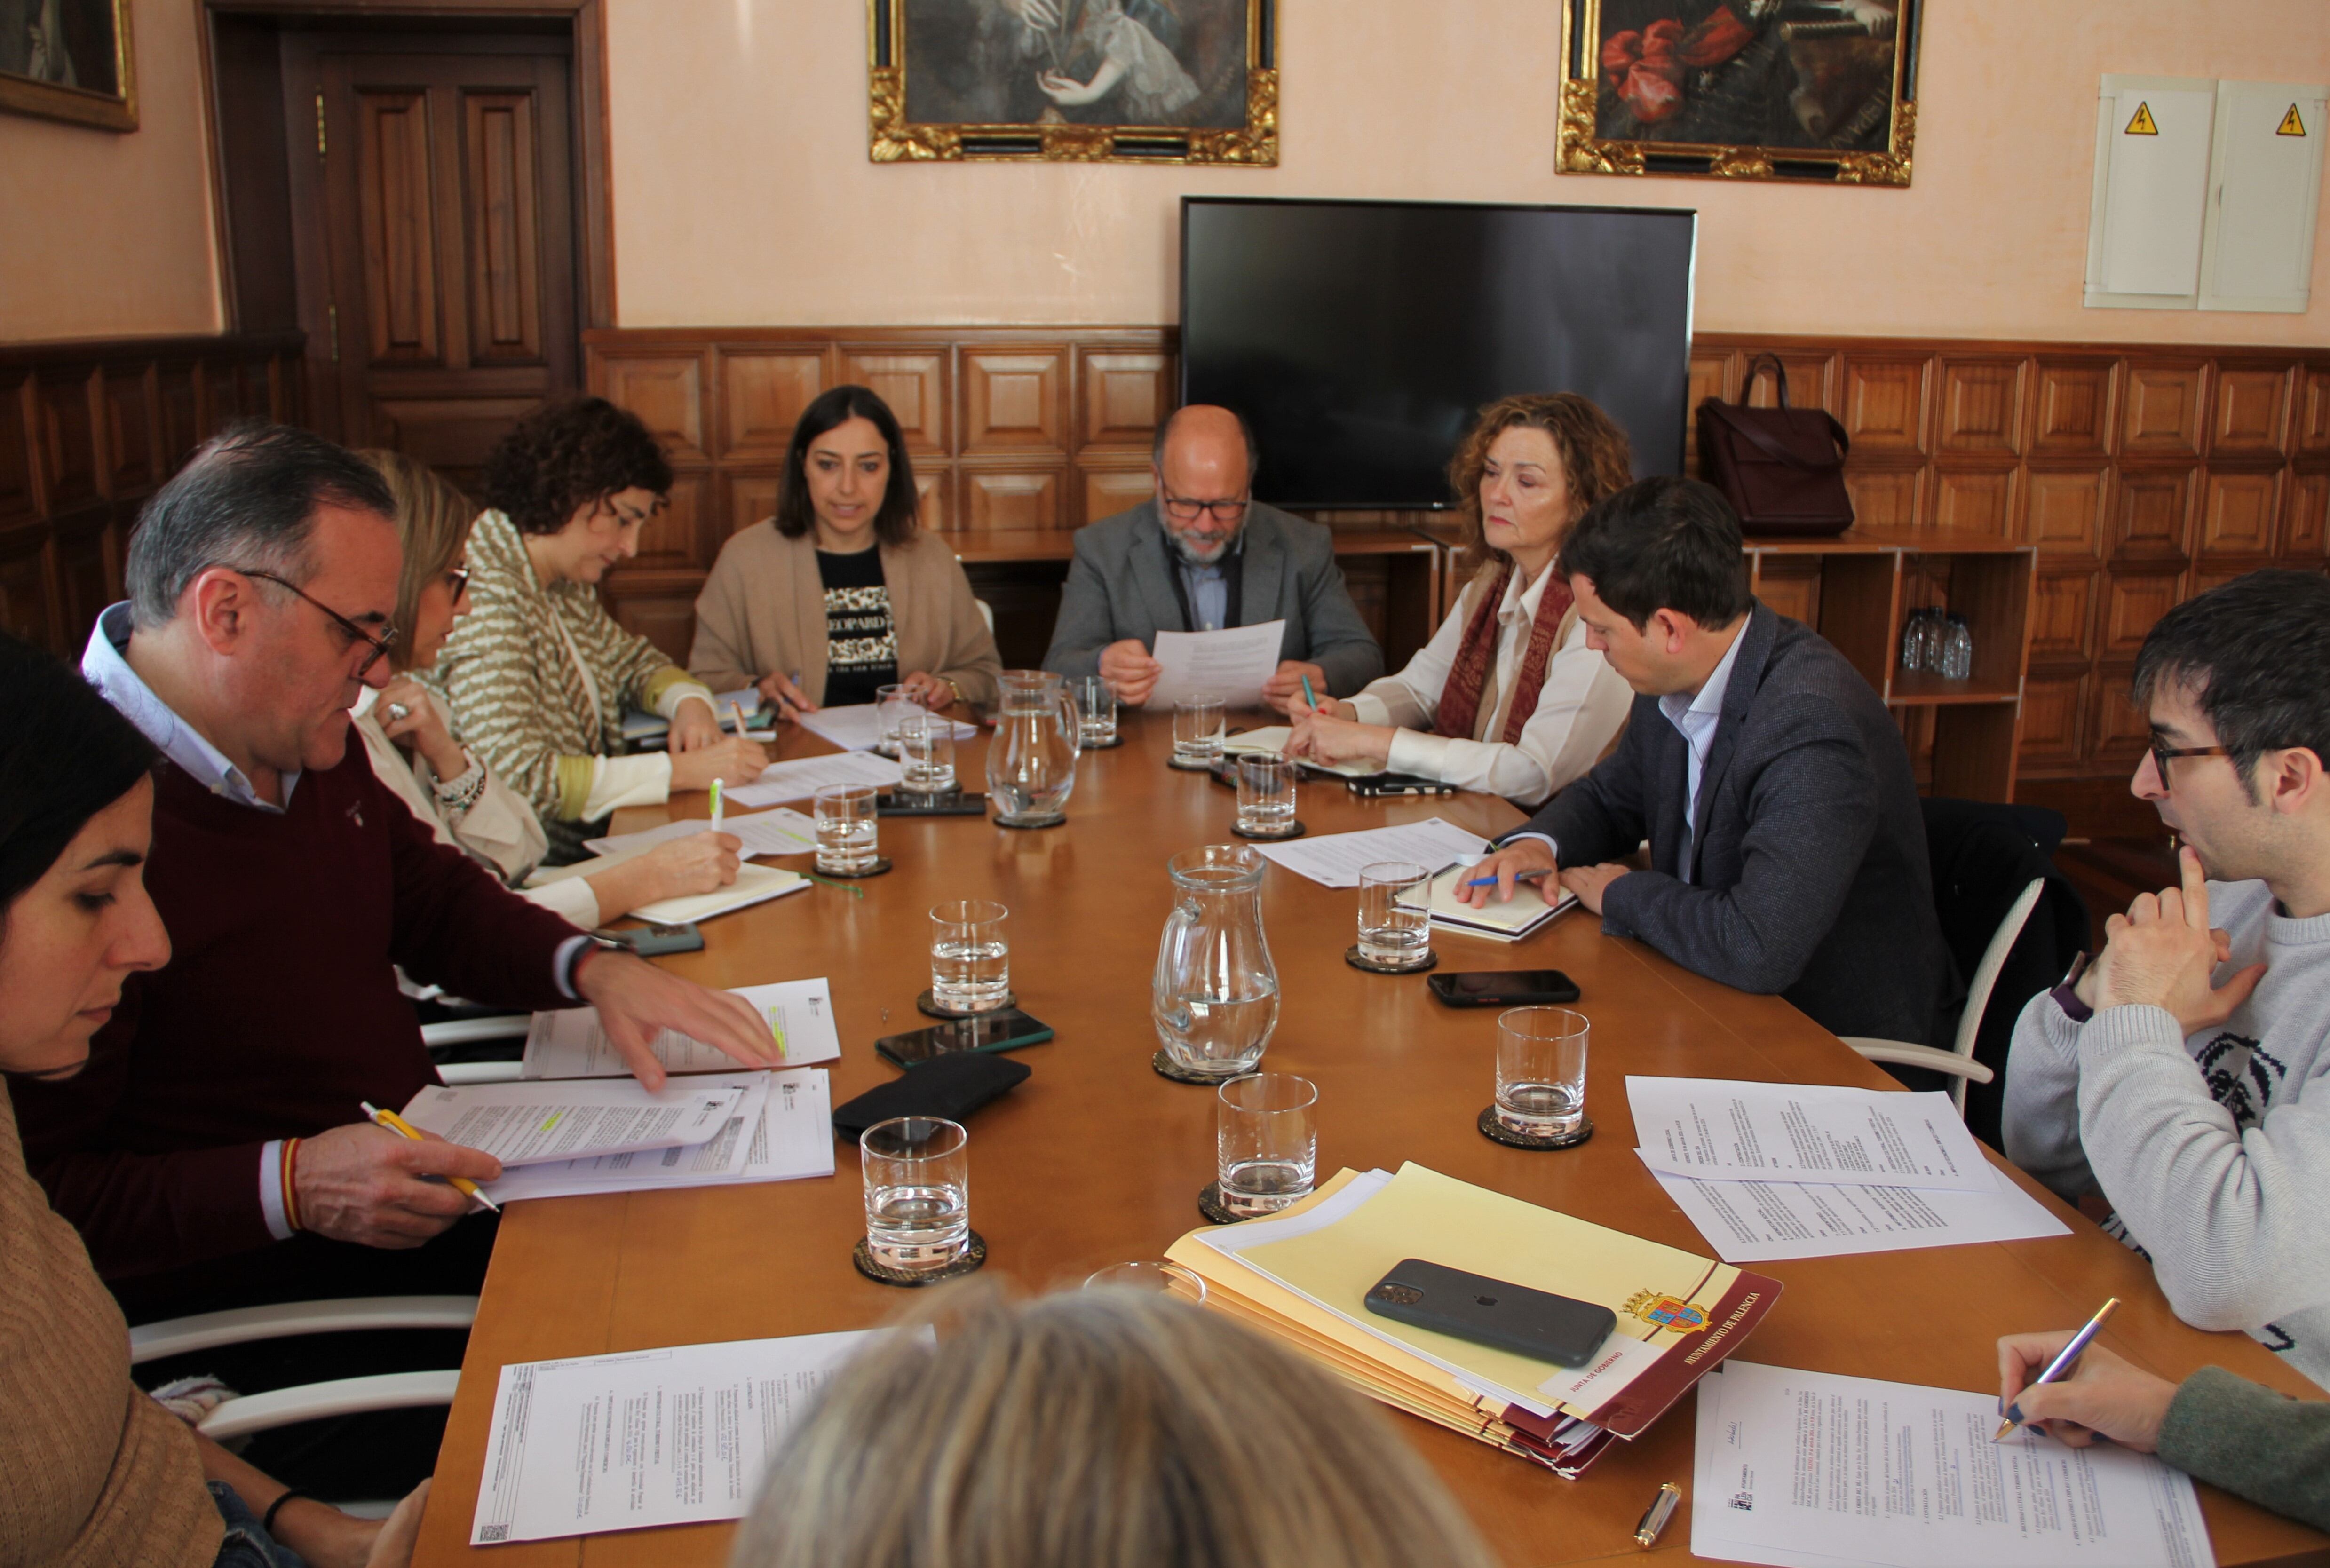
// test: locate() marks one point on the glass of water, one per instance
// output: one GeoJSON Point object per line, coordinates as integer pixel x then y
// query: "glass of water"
{"type": "Point", "coordinates": [1165, 1279]}
{"type": "Point", "coordinates": [892, 704]}
{"type": "Point", "coordinates": [1096, 711]}
{"type": "Point", "coordinates": [1541, 1071]}
{"type": "Point", "coordinates": [1265, 795]}
{"type": "Point", "coordinates": [917, 1172]}
{"type": "Point", "coordinates": [846, 829]}
{"type": "Point", "coordinates": [1198, 731]}
{"type": "Point", "coordinates": [1267, 1136]}
{"type": "Point", "coordinates": [1395, 913]}
{"type": "Point", "coordinates": [971, 961]}
{"type": "Point", "coordinates": [926, 749]}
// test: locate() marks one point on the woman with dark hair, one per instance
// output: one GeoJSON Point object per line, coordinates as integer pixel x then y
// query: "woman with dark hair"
{"type": "Point", "coordinates": [1506, 697]}
{"type": "Point", "coordinates": [538, 674]}
{"type": "Point", "coordinates": [98, 1472]}
{"type": "Point", "coordinates": [842, 592]}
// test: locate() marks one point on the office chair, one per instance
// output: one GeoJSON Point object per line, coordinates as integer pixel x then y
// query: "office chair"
{"type": "Point", "coordinates": [1958, 1061]}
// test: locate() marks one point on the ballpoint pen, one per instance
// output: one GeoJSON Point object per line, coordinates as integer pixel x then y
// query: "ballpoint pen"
{"type": "Point", "coordinates": [1518, 876]}
{"type": "Point", "coordinates": [1655, 1516]}
{"type": "Point", "coordinates": [1308, 695]}
{"type": "Point", "coordinates": [2065, 1359]}
{"type": "Point", "coordinates": [717, 804]}
{"type": "Point", "coordinates": [404, 1129]}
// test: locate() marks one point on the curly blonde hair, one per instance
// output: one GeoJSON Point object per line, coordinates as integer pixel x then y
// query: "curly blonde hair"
{"type": "Point", "coordinates": [1595, 458]}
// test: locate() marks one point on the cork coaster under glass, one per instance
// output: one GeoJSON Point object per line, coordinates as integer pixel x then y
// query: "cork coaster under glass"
{"type": "Point", "coordinates": [928, 1007]}
{"type": "Point", "coordinates": [1297, 831]}
{"type": "Point", "coordinates": [1002, 821]}
{"type": "Point", "coordinates": [1169, 1068]}
{"type": "Point", "coordinates": [1209, 1204]}
{"type": "Point", "coordinates": [876, 869]}
{"type": "Point", "coordinates": [974, 1254]}
{"type": "Point", "coordinates": [1193, 764]}
{"type": "Point", "coordinates": [1358, 960]}
{"type": "Point", "coordinates": [1496, 1131]}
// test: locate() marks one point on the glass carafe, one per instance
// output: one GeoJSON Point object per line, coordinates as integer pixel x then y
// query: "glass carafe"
{"type": "Point", "coordinates": [1031, 763]}
{"type": "Point", "coordinates": [1215, 997]}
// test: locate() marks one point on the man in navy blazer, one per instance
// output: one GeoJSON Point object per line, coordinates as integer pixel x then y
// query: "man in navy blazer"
{"type": "Point", "coordinates": [1204, 556]}
{"type": "Point", "coordinates": [1788, 847]}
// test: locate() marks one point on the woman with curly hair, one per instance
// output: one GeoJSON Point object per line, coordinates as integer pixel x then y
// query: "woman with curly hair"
{"type": "Point", "coordinates": [1506, 697]}
{"type": "Point", "coordinates": [538, 674]}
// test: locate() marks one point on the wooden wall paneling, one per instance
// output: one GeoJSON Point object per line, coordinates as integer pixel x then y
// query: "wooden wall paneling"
{"type": "Point", "coordinates": [2238, 512]}
{"type": "Point", "coordinates": [686, 533]}
{"type": "Point", "coordinates": [2314, 411]}
{"type": "Point", "coordinates": [762, 392]}
{"type": "Point", "coordinates": [745, 499]}
{"type": "Point", "coordinates": [2250, 411]}
{"type": "Point", "coordinates": [1885, 403]}
{"type": "Point", "coordinates": [223, 402]}
{"type": "Point", "coordinates": [2309, 519]}
{"type": "Point", "coordinates": [2164, 401]}
{"type": "Point", "coordinates": [2063, 509]}
{"type": "Point", "coordinates": [1973, 751]}
{"type": "Point", "coordinates": [1015, 400]}
{"type": "Point", "coordinates": [1790, 584]}
{"type": "Point", "coordinates": [1122, 395]}
{"type": "Point", "coordinates": [667, 391]}
{"type": "Point", "coordinates": [178, 411]}
{"type": "Point", "coordinates": [2072, 412]}
{"type": "Point", "coordinates": [2054, 710]}
{"type": "Point", "coordinates": [1011, 500]}
{"type": "Point", "coordinates": [1108, 491]}
{"type": "Point", "coordinates": [913, 380]}
{"type": "Point", "coordinates": [1885, 497]}
{"type": "Point", "coordinates": [2062, 616]}
{"type": "Point", "coordinates": [71, 462]}
{"type": "Point", "coordinates": [88, 576]}
{"type": "Point", "coordinates": [130, 458]}
{"type": "Point", "coordinates": [1980, 406]}
{"type": "Point", "coordinates": [1813, 380]}
{"type": "Point", "coordinates": [1977, 500]}
{"type": "Point", "coordinates": [2116, 729]}
{"type": "Point", "coordinates": [504, 227]}
{"type": "Point", "coordinates": [397, 209]}
{"type": "Point", "coordinates": [19, 494]}
{"type": "Point", "coordinates": [2152, 514]}
{"type": "Point", "coordinates": [2133, 601]}
{"type": "Point", "coordinates": [27, 600]}
{"type": "Point", "coordinates": [1860, 602]}
{"type": "Point", "coordinates": [660, 610]}
{"type": "Point", "coordinates": [934, 488]}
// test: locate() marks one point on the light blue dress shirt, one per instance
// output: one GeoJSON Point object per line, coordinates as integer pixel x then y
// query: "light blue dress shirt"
{"type": "Point", "coordinates": [1208, 587]}
{"type": "Point", "coordinates": [104, 663]}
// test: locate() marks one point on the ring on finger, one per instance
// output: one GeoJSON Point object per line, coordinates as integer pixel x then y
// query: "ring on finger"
{"type": "Point", "coordinates": [398, 713]}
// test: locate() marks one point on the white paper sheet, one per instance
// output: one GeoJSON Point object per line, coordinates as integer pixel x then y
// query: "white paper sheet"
{"type": "Point", "coordinates": [678, 1436]}
{"type": "Point", "coordinates": [1336, 859]}
{"type": "Point", "coordinates": [1729, 1130]}
{"type": "Point", "coordinates": [1761, 1221]}
{"type": "Point", "coordinates": [1231, 665]}
{"type": "Point", "coordinates": [534, 1123]}
{"type": "Point", "coordinates": [1271, 740]}
{"type": "Point", "coordinates": [805, 776]}
{"type": "Point", "coordinates": [1813, 1470]}
{"type": "Point", "coordinates": [571, 1044]}
{"type": "Point", "coordinates": [782, 1131]}
{"type": "Point", "coordinates": [783, 831]}
{"type": "Point", "coordinates": [857, 726]}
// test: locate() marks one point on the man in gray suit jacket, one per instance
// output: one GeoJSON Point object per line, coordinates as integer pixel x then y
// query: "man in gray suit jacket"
{"type": "Point", "coordinates": [1788, 847]}
{"type": "Point", "coordinates": [1203, 555]}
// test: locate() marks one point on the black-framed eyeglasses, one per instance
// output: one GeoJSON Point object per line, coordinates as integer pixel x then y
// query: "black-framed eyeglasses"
{"type": "Point", "coordinates": [2163, 753]}
{"type": "Point", "coordinates": [1185, 508]}
{"type": "Point", "coordinates": [379, 645]}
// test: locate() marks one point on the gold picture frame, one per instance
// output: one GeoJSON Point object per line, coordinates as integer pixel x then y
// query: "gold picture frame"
{"type": "Point", "coordinates": [1802, 90]}
{"type": "Point", "coordinates": [960, 79]}
{"type": "Point", "coordinates": [71, 61]}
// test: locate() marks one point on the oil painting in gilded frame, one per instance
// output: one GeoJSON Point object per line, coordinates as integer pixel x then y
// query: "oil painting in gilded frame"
{"type": "Point", "coordinates": [1174, 82]}
{"type": "Point", "coordinates": [1784, 89]}
{"type": "Point", "coordinates": [69, 59]}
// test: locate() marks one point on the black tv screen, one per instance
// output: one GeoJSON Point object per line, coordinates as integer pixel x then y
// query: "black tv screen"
{"type": "Point", "coordinates": [1359, 338]}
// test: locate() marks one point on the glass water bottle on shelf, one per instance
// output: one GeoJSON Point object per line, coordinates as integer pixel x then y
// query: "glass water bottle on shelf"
{"type": "Point", "coordinates": [1957, 662]}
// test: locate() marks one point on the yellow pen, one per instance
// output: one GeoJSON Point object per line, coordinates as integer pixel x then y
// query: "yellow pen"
{"type": "Point", "coordinates": [404, 1129]}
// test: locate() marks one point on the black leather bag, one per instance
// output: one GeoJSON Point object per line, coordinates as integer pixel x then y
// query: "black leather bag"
{"type": "Point", "coordinates": [1781, 468]}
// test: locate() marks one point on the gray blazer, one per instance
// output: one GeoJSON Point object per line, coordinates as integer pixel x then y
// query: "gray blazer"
{"type": "Point", "coordinates": [1808, 873]}
{"type": "Point", "coordinates": [1119, 586]}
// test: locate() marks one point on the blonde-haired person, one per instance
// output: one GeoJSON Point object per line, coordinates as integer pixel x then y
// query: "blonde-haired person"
{"type": "Point", "coordinates": [408, 733]}
{"type": "Point", "coordinates": [1506, 697]}
{"type": "Point", "coordinates": [1102, 1427]}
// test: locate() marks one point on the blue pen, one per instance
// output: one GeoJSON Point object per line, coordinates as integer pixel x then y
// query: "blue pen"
{"type": "Point", "coordinates": [1308, 695]}
{"type": "Point", "coordinates": [2064, 1360]}
{"type": "Point", "coordinates": [1518, 876]}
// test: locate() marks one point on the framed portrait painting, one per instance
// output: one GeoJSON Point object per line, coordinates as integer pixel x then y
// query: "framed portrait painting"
{"type": "Point", "coordinates": [1770, 90]}
{"type": "Point", "coordinates": [68, 60]}
{"type": "Point", "coordinates": [1190, 81]}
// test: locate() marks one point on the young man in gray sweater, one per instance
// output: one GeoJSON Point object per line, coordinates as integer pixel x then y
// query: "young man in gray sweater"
{"type": "Point", "coordinates": [2186, 1073]}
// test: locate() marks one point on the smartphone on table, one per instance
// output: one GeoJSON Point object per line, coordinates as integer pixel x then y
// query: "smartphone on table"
{"type": "Point", "coordinates": [1006, 1029]}
{"type": "Point", "coordinates": [1503, 987]}
{"type": "Point", "coordinates": [1380, 784]}
{"type": "Point", "coordinates": [1537, 1324]}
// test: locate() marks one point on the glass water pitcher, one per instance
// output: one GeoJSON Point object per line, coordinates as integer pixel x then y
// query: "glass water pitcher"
{"type": "Point", "coordinates": [1031, 763]}
{"type": "Point", "coordinates": [1215, 997]}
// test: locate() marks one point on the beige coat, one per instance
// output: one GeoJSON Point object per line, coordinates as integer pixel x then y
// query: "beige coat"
{"type": "Point", "coordinates": [762, 610]}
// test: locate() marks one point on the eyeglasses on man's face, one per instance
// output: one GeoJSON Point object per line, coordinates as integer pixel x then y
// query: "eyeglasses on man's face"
{"type": "Point", "coordinates": [2163, 753]}
{"type": "Point", "coordinates": [354, 634]}
{"type": "Point", "coordinates": [1186, 508]}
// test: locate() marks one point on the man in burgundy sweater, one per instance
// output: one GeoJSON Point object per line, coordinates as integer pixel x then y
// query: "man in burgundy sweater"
{"type": "Point", "coordinates": [219, 1117]}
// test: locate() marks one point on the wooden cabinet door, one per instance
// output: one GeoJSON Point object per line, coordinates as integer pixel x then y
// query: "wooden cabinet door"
{"type": "Point", "coordinates": [435, 237]}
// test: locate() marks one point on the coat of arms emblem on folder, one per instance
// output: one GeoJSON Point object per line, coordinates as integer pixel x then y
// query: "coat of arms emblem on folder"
{"type": "Point", "coordinates": [1666, 1312]}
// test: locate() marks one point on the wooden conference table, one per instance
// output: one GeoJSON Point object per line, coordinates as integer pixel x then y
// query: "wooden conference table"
{"type": "Point", "coordinates": [1096, 1159]}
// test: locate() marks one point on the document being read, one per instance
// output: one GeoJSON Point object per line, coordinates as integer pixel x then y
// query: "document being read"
{"type": "Point", "coordinates": [572, 1043]}
{"type": "Point", "coordinates": [1230, 665]}
{"type": "Point", "coordinates": [1746, 1132]}
{"type": "Point", "coordinates": [1808, 1469]}
{"type": "Point", "coordinates": [1761, 1221]}
{"type": "Point", "coordinates": [679, 1436]}
{"type": "Point", "coordinates": [531, 1123]}
{"type": "Point", "coordinates": [1336, 859]}
{"type": "Point", "coordinates": [781, 1131]}
{"type": "Point", "coordinates": [805, 776]}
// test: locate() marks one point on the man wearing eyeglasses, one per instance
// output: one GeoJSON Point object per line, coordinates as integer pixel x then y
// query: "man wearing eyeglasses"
{"type": "Point", "coordinates": [2184, 1074]}
{"type": "Point", "coordinates": [1204, 556]}
{"type": "Point", "coordinates": [215, 1153]}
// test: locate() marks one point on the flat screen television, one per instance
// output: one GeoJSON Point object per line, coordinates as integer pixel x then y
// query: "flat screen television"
{"type": "Point", "coordinates": [1359, 338]}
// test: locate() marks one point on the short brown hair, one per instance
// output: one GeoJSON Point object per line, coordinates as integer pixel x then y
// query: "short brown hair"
{"type": "Point", "coordinates": [1595, 458]}
{"type": "Point", "coordinates": [569, 455]}
{"type": "Point", "coordinates": [432, 522]}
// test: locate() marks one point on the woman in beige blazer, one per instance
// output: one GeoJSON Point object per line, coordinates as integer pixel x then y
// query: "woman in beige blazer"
{"type": "Point", "coordinates": [841, 591]}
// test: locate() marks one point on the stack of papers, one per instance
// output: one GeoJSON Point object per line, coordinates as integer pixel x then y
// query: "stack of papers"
{"type": "Point", "coordinates": [1229, 665]}
{"type": "Point", "coordinates": [1789, 1170]}
{"type": "Point", "coordinates": [531, 1123]}
{"type": "Point", "coordinates": [570, 1042]}
{"type": "Point", "coordinates": [1272, 740]}
{"type": "Point", "coordinates": [805, 776]}
{"type": "Point", "coordinates": [857, 726]}
{"type": "Point", "coordinates": [1527, 912]}
{"type": "Point", "coordinates": [780, 1130]}
{"type": "Point", "coordinates": [1301, 1277]}
{"type": "Point", "coordinates": [1808, 1469]}
{"type": "Point", "coordinates": [1336, 859]}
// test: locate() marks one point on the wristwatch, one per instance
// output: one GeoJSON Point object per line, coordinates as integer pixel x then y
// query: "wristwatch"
{"type": "Point", "coordinates": [2066, 994]}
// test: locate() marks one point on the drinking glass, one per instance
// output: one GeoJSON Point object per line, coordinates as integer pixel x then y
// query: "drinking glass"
{"type": "Point", "coordinates": [1541, 1071]}
{"type": "Point", "coordinates": [1266, 1138]}
{"type": "Point", "coordinates": [1096, 711]}
{"type": "Point", "coordinates": [1151, 1280]}
{"type": "Point", "coordinates": [917, 1171]}
{"type": "Point", "coordinates": [846, 829]}
{"type": "Point", "coordinates": [926, 748]}
{"type": "Point", "coordinates": [892, 705]}
{"type": "Point", "coordinates": [1198, 731]}
{"type": "Point", "coordinates": [1395, 913]}
{"type": "Point", "coordinates": [971, 961]}
{"type": "Point", "coordinates": [1265, 795]}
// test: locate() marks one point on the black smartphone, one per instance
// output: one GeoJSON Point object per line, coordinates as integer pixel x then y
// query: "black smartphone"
{"type": "Point", "coordinates": [1503, 987]}
{"type": "Point", "coordinates": [653, 941]}
{"type": "Point", "coordinates": [1385, 784]}
{"type": "Point", "coordinates": [1006, 1030]}
{"type": "Point", "coordinates": [1537, 1324]}
{"type": "Point", "coordinates": [906, 803]}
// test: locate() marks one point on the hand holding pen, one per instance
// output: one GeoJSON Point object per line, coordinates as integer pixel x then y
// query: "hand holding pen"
{"type": "Point", "coordinates": [2082, 1391]}
{"type": "Point", "coordinates": [1524, 860]}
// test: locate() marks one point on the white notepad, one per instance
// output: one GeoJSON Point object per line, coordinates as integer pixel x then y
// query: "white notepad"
{"type": "Point", "coordinates": [1527, 915]}
{"type": "Point", "coordinates": [753, 884]}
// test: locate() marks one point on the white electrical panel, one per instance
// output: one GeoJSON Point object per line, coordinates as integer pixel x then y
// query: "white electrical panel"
{"type": "Point", "coordinates": [2257, 253]}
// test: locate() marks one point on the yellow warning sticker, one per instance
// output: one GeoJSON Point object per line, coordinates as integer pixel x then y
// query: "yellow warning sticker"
{"type": "Point", "coordinates": [2142, 124]}
{"type": "Point", "coordinates": [2291, 125]}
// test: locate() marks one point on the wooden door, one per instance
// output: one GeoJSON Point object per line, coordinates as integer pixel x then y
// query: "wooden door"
{"type": "Point", "coordinates": [434, 230]}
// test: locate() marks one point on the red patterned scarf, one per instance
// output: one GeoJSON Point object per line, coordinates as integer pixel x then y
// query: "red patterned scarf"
{"type": "Point", "coordinates": [1459, 699]}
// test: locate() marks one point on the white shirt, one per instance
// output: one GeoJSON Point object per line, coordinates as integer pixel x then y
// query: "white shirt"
{"type": "Point", "coordinates": [1696, 719]}
{"type": "Point", "coordinates": [106, 668]}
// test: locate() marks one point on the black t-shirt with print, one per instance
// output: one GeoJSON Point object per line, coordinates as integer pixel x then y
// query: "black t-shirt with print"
{"type": "Point", "coordinates": [861, 641]}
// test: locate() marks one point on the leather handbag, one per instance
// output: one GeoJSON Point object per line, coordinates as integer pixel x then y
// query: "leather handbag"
{"type": "Point", "coordinates": [1781, 468]}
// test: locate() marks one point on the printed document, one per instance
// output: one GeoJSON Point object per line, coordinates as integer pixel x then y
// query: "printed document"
{"type": "Point", "coordinates": [805, 776]}
{"type": "Point", "coordinates": [1808, 1469]}
{"type": "Point", "coordinates": [531, 1123]}
{"type": "Point", "coordinates": [781, 1131]}
{"type": "Point", "coordinates": [783, 831]}
{"type": "Point", "coordinates": [1230, 665]}
{"type": "Point", "coordinates": [857, 726]}
{"type": "Point", "coordinates": [571, 1044]}
{"type": "Point", "coordinates": [1272, 740]}
{"type": "Point", "coordinates": [678, 1436]}
{"type": "Point", "coordinates": [1336, 859]}
{"type": "Point", "coordinates": [1741, 1131]}
{"type": "Point", "coordinates": [1760, 1221]}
